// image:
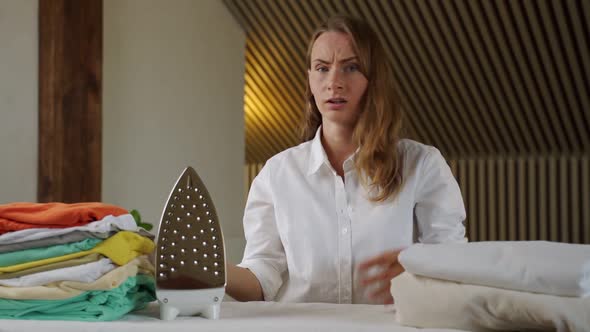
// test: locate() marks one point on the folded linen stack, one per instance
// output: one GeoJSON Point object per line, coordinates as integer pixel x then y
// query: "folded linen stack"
{"type": "Point", "coordinates": [83, 261]}
{"type": "Point", "coordinates": [486, 286]}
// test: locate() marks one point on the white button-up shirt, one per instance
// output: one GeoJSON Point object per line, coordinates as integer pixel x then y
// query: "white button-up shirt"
{"type": "Point", "coordinates": [306, 228]}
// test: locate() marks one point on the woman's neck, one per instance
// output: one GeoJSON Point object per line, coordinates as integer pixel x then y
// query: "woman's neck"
{"type": "Point", "coordinates": [338, 144]}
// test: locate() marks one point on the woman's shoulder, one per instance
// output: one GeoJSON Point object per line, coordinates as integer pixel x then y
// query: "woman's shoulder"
{"type": "Point", "coordinates": [296, 156]}
{"type": "Point", "coordinates": [414, 149]}
{"type": "Point", "coordinates": [418, 155]}
{"type": "Point", "coordinates": [296, 151]}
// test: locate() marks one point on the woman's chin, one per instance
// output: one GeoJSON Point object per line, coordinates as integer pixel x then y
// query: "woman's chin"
{"type": "Point", "coordinates": [339, 118]}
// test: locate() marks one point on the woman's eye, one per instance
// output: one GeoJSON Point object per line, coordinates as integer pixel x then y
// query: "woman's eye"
{"type": "Point", "coordinates": [351, 68]}
{"type": "Point", "coordinates": [322, 69]}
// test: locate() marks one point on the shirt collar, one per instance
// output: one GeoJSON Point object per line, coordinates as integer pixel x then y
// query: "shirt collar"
{"type": "Point", "coordinates": [318, 154]}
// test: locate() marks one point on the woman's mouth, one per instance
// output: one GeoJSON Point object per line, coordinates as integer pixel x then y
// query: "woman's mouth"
{"type": "Point", "coordinates": [336, 103]}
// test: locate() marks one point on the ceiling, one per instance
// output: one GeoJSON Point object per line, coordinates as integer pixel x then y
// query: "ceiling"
{"type": "Point", "coordinates": [478, 78]}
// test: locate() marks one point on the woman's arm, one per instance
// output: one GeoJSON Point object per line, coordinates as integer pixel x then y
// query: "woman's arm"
{"type": "Point", "coordinates": [242, 284]}
{"type": "Point", "coordinates": [439, 209]}
{"type": "Point", "coordinates": [259, 276]}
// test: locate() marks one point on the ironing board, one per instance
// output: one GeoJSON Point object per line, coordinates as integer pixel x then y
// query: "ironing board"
{"type": "Point", "coordinates": [241, 317]}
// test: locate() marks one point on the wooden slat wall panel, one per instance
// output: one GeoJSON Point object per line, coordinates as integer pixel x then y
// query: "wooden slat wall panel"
{"type": "Point", "coordinates": [479, 78]}
{"type": "Point", "coordinates": [502, 88]}
{"type": "Point", "coordinates": [526, 198]}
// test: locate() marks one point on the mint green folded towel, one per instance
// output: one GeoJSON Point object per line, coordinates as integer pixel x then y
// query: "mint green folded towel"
{"type": "Point", "coordinates": [133, 294]}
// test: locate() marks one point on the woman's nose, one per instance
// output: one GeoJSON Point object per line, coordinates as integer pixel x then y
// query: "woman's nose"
{"type": "Point", "coordinates": [335, 81]}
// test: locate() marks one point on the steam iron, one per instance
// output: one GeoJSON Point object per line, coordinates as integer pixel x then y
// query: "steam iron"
{"type": "Point", "coordinates": [190, 253]}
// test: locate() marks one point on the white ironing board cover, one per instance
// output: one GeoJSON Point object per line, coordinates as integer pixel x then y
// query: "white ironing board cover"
{"type": "Point", "coordinates": [241, 317]}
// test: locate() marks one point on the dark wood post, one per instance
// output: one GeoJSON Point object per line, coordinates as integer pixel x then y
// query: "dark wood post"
{"type": "Point", "coordinates": [70, 93]}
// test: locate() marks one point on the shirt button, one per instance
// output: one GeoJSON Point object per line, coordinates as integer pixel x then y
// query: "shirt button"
{"type": "Point", "coordinates": [344, 230]}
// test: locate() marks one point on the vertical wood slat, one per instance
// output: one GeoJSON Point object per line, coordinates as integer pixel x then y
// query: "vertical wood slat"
{"type": "Point", "coordinates": [521, 201]}
{"type": "Point", "coordinates": [553, 198]}
{"type": "Point", "coordinates": [511, 200]}
{"type": "Point", "coordinates": [482, 220]}
{"type": "Point", "coordinates": [472, 200]}
{"type": "Point", "coordinates": [542, 200]}
{"type": "Point", "coordinates": [462, 179]}
{"type": "Point", "coordinates": [491, 201]}
{"type": "Point", "coordinates": [502, 206]}
{"type": "Point", "coordinates": [585, 198]}
{"type": "Point", "coordinates": [250, 172]}
{"type": "Point", "coordinates": [70, 91]}
{"type": "Point", "coordinates": [247, 181]}
{"type": "Point", "coordinates": [574, 196]}
{"type": "Point", "coordinates": [531, 178]}
{"type": "Point", "coordinates": [453, 165]}
{"type": "Point", "coordinates": [564, 220]}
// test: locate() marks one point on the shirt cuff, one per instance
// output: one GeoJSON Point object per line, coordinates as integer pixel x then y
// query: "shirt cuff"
{"type": "Point", "coordinates": [269, 278]}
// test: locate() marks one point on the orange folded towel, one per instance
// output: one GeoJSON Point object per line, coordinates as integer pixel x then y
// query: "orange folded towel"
{"type": "Point", "coordinates": [18, 216]}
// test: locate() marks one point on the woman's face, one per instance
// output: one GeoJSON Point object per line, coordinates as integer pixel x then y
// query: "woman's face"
{"type": "Point", "coordinates": [335, 79]}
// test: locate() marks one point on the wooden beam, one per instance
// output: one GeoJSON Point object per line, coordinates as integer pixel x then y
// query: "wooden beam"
{"type": "Point", "coordinates": [70, 91]}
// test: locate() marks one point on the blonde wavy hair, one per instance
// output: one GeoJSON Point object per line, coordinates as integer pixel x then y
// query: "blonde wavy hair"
{"type": "Point", "coordinates": [377, 132]}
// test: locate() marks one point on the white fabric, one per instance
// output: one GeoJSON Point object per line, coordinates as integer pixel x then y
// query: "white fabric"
{"type": "Point", "coordinates": [427, 302]}
{"type": "Point", "coordinates": [241, 317]}
{"type": "Point", "coordinates": [533, 266]}
{"type": "Point", "coordinates": [65, 289]}
{"type": "Point", "coordinates": [109, 223]}
{"type": "Point", "coordinates": [307, 229]}
{"type": "Point", "coordinates": [87, 273]}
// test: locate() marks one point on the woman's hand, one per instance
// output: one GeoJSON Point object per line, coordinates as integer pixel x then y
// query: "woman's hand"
{"type": "Point", "coordinates": [389, 267]}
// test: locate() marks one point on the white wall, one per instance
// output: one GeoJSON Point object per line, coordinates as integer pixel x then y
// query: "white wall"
{"type": "Point", "coordinates": [18, 100]}
{"type": "Point", "coordinates": [173, 96]}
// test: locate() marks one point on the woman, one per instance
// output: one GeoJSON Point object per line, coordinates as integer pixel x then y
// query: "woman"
{"type": "Point", "coordinates": [326, 220]}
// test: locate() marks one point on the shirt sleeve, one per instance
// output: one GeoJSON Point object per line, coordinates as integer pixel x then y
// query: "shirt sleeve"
{"type": "Point", "coordinates": [264, 254]}
{"type": "Point", "coordinates": [439, 209]}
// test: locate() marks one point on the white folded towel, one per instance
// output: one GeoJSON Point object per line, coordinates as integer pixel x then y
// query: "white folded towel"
{"type": "Point", "coordinates": [432, 303]}
{"type": "Point", "coordinates": [554, 268]}
{"type": "Point", "coordinates": [87, 273]}
{"type": "Point", "coordinates": [124, 222]}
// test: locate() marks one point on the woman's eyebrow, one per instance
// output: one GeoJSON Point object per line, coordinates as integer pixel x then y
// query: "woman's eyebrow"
{"type": "Point", "coordinates": [352, 58]}
{"type": "Point", "coordinates": [322, 61]}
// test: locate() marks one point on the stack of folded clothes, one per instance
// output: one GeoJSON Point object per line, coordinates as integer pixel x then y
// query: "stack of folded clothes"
{"type": "Point", "coordinates": [83, 261]}
{"type": "Point", "coordinates": [488, 286]}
